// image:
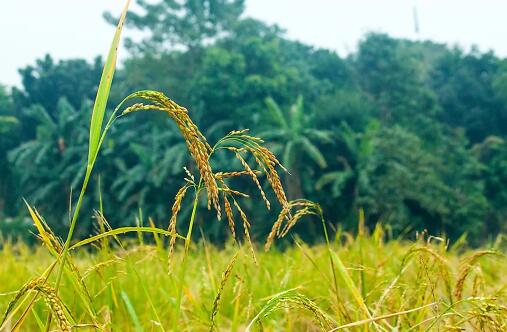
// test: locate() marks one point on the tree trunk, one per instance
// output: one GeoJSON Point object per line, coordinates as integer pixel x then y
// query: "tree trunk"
{"type": "Point", "coordinates": [294, 188]}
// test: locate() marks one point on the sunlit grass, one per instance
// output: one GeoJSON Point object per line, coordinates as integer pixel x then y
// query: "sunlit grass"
{"type": "Point", "coordinates": [351, 283]}
{"type": "Point", "coordinates": [404, 282]}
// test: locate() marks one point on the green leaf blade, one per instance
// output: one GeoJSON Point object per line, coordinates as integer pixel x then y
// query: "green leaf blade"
{"type": "Point", "coordinates": [99, 107]}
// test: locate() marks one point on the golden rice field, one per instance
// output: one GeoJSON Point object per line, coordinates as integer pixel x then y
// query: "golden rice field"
{"type": "Point", "coordinates": [401, 286]}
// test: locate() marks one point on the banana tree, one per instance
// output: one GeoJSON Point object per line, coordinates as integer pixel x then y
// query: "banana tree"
{"type": "Point", "coordinates": [51, 164]}
{"type": "Point", "coordinates": [297, 140]}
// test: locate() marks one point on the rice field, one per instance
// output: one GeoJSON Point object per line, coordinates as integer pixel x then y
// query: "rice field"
{"type": "Point", "coordinates": [125, 286]}
{"type": "Point", "coordinates": [172, 281]}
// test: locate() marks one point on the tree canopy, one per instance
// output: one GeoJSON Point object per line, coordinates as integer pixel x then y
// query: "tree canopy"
{"type": "Point", "coordinates": [412, 132]}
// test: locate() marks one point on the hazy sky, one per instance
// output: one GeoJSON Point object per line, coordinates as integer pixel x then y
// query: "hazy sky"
{"type": "Point", "coordinates": [75, 28]}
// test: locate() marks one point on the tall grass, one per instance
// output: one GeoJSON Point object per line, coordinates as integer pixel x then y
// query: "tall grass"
{"type": "Point", "coordinates": [286, 291]}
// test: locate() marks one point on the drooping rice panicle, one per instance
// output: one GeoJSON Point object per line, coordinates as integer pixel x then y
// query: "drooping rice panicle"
{"type": "Point", "coordinates": [19, 294]}
{"type": "Point", "coordinates": [254, 178]}
{"type": "Point", "coordinates": [466, 267]}
{"type": "Point", "coordinates": [276, 226]}
{"type": "Point", "coordinates": [223, 281]}
{"type": "Point", "coordinates": [292, 299]}
{"type": "Point", "coordinates": [223, 175]}
{"type": "Point", "coordinates": [50, 297]}
{"type": "Point", "coordinates": [55, 304]}
{"type": "Point", "coordinates": [238, 142]}
{"type": "Point", "coordinates": [246, 228]}
{"type": "Point", "coordinates": [234, 192]}
{"type": "Point", "coordinates": [294, 219]}
{"type": "Point", "coordinates": [194, 139]}
{"type": "Point", "coordinates": [230, 216]}
{"type": "Point", "coordinates": [267, 160]}
{"type": "Point", "coordinates": [305, 208]}
{"type": "Point", "coordinates": [172, 223]}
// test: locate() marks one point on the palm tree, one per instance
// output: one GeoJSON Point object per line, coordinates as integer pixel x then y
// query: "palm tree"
{"type": "Point", "coordinates": [147, 168]}
{"type": "Point", "coordinates": [52, 163]}
{"type": "Point", "coordinates": [296, 140]}
{"type": "Point", "coordinates": [349, 172]}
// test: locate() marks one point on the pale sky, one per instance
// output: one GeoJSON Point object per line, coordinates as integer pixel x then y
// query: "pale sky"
{"type": "Point", "coordinates": [75, 28]}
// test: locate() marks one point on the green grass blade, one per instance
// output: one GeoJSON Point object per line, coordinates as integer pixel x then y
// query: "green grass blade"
{"type": "Point", "coordinates": [39, 321]}
{"type": "Point", "coordinates": [99, 108]}
{"type": "Point", "coordinates": [132, 312]}
{"type": "Point", "coordinates": [349, 283]}
{"type": "Point", "coordinates": [96, 137]}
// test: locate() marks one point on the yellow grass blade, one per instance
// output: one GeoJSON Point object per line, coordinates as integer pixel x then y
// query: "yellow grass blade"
{"type": "Point", "coordinates": [123, 230]}
{"type": "Point", "coordinates": [375, 319]}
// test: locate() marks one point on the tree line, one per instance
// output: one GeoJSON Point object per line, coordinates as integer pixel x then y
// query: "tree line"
{"type": "Point", "coordinates": [411, 132]}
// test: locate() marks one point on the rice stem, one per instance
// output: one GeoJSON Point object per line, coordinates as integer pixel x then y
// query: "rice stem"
{"type": "Point", "coordinates": [183, 269]}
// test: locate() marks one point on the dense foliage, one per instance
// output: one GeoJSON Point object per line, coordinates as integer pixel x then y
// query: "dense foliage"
{"type": "Point", "coordinates": [412, 132]}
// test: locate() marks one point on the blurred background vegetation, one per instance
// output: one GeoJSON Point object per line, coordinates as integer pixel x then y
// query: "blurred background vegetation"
{"type": "Point", "coordinates": [413, 132]}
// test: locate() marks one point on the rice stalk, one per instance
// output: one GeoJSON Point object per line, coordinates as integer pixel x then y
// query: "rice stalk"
{"type": "Point", "coordinates": [97, 135]}
{"type": "Point", "coordinates": [19, 294]}
{"type": "Point", "coordinates": [51, 298]}
{"type": "Point", "coordinates": [351, 287]}
{"type": "Point", "coordinates": [47, 237]}
{"type": "Point", "coordinates": [246, 229]}
{"type": "Point", "coordinates": [229, 215]}
{"type": "Point", "coordinates": [55, 247]}
{"type": "Point", "coordinates": [194, 139]}
{"type": "Point", "coordinates": [485, 315]}
{"type": "Point", "coordinates": [55, 304]}
{"type": "Point", "coordinates": [292, 299]}
{"type": "Point", "coordinates": [295, 218]}
{"type": "Point", "coordinates": [253, 175]}
{"type": "Point", "coordinates": [276, 226]}
{"type": "Point", "coordinates": [238, 292]}
{"type": "Point", "coordinates": [100, 265]}
{"type": "Point", "coordinates": [184, 262]}
{"type": "Point", "coordinates": [26, 287]}
{"type": "Point", "coordinates": [223, 281]}
{"type": "Point", "coordinates": [172, 223]}
{"type": "Point", "coordinates": [389, 288]}
{"type": "Point", "coordinates": [239, 142]}
{"type": "Point", "coordinates": [305, 208]}
{"type": "Point", "coordinates": [479, 282]}
{"type": "Point", "coordinates": [466, 267]}
{"type": "Point", "coordinates": [223, 175]}
{"type": "Point", "coordinates": [341, 310]}
{"type": "Point", "coordinates": [234, 192]}
{"type": "Point", "coordinates": [439, 259]}
{"type": "Point", "coordinates": [209, 264]}
{"type": "Point", "coordinates": [310, 208]}
{"type": "Point", "coordinates": [140, 223]}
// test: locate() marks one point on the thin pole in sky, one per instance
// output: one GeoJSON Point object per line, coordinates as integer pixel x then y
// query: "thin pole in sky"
{"type": "Point", "coordinates": [416, 19]}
